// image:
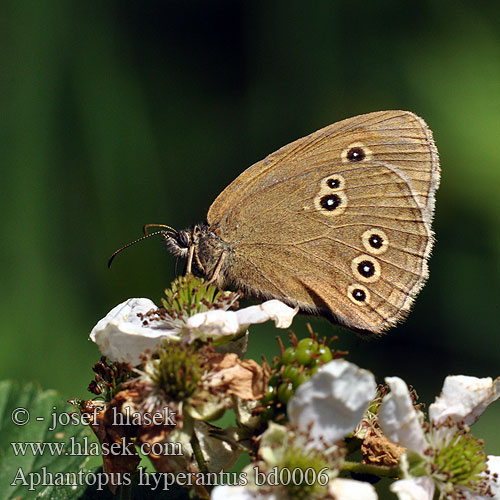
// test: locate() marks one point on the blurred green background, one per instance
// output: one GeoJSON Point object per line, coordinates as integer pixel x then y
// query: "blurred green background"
{"type": "Point", "coordinates": [115, 114]}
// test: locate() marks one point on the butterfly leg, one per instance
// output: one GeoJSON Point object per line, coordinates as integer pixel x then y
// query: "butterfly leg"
{"type": "Point", "coordinates": [217, 269]}
{"type": "Point", "coordinates": [189, 264]}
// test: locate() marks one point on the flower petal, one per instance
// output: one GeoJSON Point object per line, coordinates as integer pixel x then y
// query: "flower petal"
{"type": "Point", "coordinates": [350, 489]}
{"type": "Point", "coordinates": [239, 493]}
{"type": "Point", "coordinates": [399, 419]}
{"type": "Point", "coordinates": [273, 444]}
{"type": "Point", "coordinates": [245, 413]}
{"type": "Point", "coordinates": [420, 488]}
{"type": "Point", "coordinates": [493, 465]}
{"type": "Point", "coordinates": [215, 324]}
{"type": "Point", "coordinates": [331, 404]}
{"type": "Point", "coordinates": [122, 336]}
{"type": "Point", "coordinates": [218, 323]}
{"type": "Point", "coordinates": [280, 313]}
{"type": "Point", "coordinates": [231, 375]}
{"type": "Point", "coordinates": [464, 399]}
{"type": "Point", "coordinates": [218, 454]}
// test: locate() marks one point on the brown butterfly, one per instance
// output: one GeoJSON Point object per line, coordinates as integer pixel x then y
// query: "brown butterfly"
{"type": "Point", "coordinates": [338, 222]}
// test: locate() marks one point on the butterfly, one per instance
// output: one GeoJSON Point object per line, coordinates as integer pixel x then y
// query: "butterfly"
{"type": "Point", "coordinates": [337, 223]}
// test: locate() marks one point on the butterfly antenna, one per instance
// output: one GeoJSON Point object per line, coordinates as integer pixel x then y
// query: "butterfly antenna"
{"type": "Point", "coordinates": [164, 233]}
{"type": "Point", "coordinates": [164, 226]}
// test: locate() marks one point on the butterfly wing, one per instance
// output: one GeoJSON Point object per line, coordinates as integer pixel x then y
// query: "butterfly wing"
{"type": "Point", "coordinates": [337, 222]}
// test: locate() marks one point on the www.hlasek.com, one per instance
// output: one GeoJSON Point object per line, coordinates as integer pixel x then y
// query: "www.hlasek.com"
{"type": "Point", "coordinates": [85, 447]}
{"type": "Point", "coordinates": [164, 480]}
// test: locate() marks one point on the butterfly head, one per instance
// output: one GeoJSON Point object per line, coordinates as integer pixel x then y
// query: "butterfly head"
{"type": "Point", "coordinates": [178, 243]}
{"type": "Point", "coordinates": [207, 255]}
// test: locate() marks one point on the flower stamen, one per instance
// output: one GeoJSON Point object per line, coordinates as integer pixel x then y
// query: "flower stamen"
{"type": "Point", "coordinates": [456, 459]}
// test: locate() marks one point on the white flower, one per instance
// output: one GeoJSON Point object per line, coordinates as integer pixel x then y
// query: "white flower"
{"type": "Point", "coordinates": [122, 335]}
{"type": "Point", "coordinates": [218, 323]}
{"type": "Point", "coordinates": [400, 421]}
{"type": "Point", "coordinates": [241, 493]}
{"type": "Point", "coordinates": [350, 489]}
{"type": "Point", "coordinates": [331, 404]}
{"type": "Point", "coordinates": [464, 398]}
{"type": "Point", "coordinates": [127, 331]}
{"type": "Point", "coordinates": [340, 489]}
{"type": "Point", "coordinates": [419, 488]}
{"type": "Point", "coordinates": [322, 411]}
{"type": "Point", "coordinates": [442, 454]}
{"type": "Point", "coordinates": [494, 468]}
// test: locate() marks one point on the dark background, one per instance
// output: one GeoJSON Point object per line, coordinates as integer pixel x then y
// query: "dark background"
{"type": "Point", "coordinates": [115, 114]}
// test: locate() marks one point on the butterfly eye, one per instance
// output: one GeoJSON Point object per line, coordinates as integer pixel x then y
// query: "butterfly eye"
{"type": "Point", "coordinates": [334, 182]}
{"type": "Point", "coordinates": [358, 294]}
{"type": "Point", "coordinates": [356, 154]}
{"type": "Point", "coordinates": [366, 268]}
{"type": "Point", "coordinates": [375, 241]}
{"type": "Point", "coordinates": [330, 201]}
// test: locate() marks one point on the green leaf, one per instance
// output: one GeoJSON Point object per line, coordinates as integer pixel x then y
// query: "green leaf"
{"type": "Point", "coordinates": [76, 439]}
{"type": "Point", "coordinates": [31, 455]}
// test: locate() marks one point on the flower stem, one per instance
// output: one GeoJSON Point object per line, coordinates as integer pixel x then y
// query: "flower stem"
{"type": "Point", "coordinates": [374, 470]}
{"type": "Point", "coordinates": [202, 465]}
{"type": "Point", "coordinates": [198, 454]}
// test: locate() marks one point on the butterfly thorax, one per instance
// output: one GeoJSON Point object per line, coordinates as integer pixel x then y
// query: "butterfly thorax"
{"type": "Point", "coordinates": [211, 256]}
